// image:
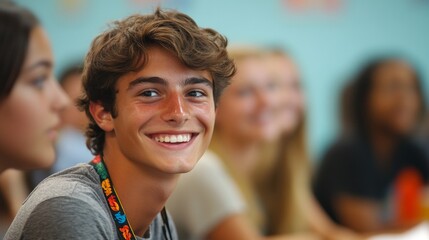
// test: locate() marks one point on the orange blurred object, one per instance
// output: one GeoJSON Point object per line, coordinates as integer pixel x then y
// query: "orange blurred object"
{"type": "Point", "coordinates": [408, 195]}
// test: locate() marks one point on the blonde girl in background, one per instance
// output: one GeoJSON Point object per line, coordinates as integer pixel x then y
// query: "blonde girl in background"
{"type": "Point", "coordinates": [218, 199]}
{"type": "Point", "coordinates": [283, 180]}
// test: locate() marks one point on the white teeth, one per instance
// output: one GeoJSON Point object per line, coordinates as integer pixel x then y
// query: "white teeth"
{"type": "Point", "coordinates": [180, 138]}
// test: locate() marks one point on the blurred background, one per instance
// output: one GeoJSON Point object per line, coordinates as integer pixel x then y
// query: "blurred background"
{"type": "Point", "coordinates": [328, 39]}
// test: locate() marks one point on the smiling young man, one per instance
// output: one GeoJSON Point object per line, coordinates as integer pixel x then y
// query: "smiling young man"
{"type": "Point", "coordinates": [151, 83]}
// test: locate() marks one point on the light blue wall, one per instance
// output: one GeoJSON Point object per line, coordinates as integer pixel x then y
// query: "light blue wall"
{"type": "Point", "coordinates": [326, 46]}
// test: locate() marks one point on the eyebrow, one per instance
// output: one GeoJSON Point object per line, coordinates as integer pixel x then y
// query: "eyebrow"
{"type": "Point", "coordinates": [140, 80]}
{"type": "Point", "coordinates": [43, 63]}
{"type": "Point", "coordinates": [161, 81]}
{"type": "Point", "coordinates": [198, 80]}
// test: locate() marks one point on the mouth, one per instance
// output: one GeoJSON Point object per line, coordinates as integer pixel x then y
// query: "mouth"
{"type": "Point", "coordinates": [173, 138]}
{"type": "Point", "coordinates": [263, 117]}
{"type": "Point", "coordinates": [175, 141]}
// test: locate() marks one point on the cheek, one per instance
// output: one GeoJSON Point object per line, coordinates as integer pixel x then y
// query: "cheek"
{"type": "Point", "coordinates": [233, 114]}
{"type": "Point", "coordinates": [243, 108]}
{"type": "Point", "coordinates": [413, 102]}
{"type": "Point", "coordinates": [377, 104]}
{"type": "Point", "coordinates": [206, 116]}
{"type": "Point", "coordinates": [23, 116]}
{"type": "Point", "coordinates": [22, 130]}
{"type": "Point", "coordinates": [132, 118]}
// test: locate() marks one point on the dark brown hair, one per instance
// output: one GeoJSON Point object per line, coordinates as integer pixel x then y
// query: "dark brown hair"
{"type": "Point", "coordinates": [123, 49]}
{"type": "Point", "coordinates": [362, 86]}
{"type": "Point", "coordinates": [16, 24]}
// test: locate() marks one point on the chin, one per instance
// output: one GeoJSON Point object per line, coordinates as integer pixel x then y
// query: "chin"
{"type": "Point", "coordinates": [178, 166]}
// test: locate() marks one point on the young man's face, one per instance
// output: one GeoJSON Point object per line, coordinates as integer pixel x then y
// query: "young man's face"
{"type": "Point", "coordinates": [165, 115]}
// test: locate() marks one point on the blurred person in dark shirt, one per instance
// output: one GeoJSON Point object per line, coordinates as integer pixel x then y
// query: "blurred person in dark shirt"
{"type": "Point", "coordinates": [371, 179]}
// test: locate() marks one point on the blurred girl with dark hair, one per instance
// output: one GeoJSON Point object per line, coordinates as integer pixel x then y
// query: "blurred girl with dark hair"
{"type": "Point", "coordinates": [30, 100]}
{"type": "Point", "coordinates": [371, 180]}
{"type": "Point", "coordinates": [30, 97]}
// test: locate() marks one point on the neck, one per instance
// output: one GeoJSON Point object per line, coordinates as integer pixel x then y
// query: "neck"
{"type": "Point", "coordinates": [383, 144]}
{"type": "Point", "coordinates": [3, 165]}
{"type": "Point", "coordinates": [141, 190]}
{"type": "Point", "coordinates": [242, 154]}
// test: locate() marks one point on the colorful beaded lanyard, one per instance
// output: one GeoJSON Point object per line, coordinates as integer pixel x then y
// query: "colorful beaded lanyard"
{"type": "Point", "coordinates": [125, 232]}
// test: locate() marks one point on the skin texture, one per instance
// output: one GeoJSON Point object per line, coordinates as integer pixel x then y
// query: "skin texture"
{"type": "Point", "coordinates": [394, 102]}
{"type": "Point", "coordinates": [247, 105]}
{"type": "Point", "coordinates": [30, 114]}
{"type": "Point", "coordinates": [393, 109]}
{"type": "Point", "coordinates": [164, 97]}
{"type": "Point", "coordinates": [290, 109]}
{"type": "Point", "coordinates": [291, 102]}
{"type": "Point", "coordinates": [245, 114]}
{"type": "Point", "coordinates": [246, 117]}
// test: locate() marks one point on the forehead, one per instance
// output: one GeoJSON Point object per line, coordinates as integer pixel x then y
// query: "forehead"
{"type": "Point", "coordinates": [164, 64]}
{"type": "Point", "coordinates": [283, 67]}
{"type": "Point", "coordinates": [250, 70]}
{"type": "Point", "coordinates": [394, 70]}
{"type": "Point", "coordinates": [38, 47]}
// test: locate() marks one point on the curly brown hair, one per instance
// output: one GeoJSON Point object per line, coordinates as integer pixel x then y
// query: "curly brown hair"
{"type": "Point", "coordinates": [123, 49]}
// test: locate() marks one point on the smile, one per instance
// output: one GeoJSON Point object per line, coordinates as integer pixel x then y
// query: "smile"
{"type": "Point", "coordinates": [173, 138]}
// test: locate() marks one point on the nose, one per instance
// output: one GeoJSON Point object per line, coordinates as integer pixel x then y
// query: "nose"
{"type": "Point", "coordinates": [59, 98]}
{"type": "Point", "coordinates": [176, 110]}
{"type": "Point", "coordinates": [264, 98]}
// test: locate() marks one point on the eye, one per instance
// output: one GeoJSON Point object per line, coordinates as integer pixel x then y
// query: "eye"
{"type": "Point", "coordinates": [244, 92]}
{"type": "Point", "coordinates": [272, 85]}
{"type": "Point", "coordinates": [39, 82]}
{"type": "Point", "coordinates": [149, 93]}
{"type": "Point", "coordinates": [197, 93]}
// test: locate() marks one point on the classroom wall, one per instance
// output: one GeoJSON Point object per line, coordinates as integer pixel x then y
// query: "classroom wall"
{"type": "Point", "coordinates": [328, 38]}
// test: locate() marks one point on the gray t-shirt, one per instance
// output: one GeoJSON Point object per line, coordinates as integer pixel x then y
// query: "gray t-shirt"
{"type": "Point", "coordinates": [71, 205]}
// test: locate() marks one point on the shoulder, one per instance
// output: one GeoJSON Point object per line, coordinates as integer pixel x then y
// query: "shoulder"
{"type": "Point", "coordinates": [339, 166]}
{"type": "Point", "coordinates": [345, 152]}
{"type": "Point", "coordinates": [65, 204]}
{"type": "Point", "coordinates": [209, 161]}
{"type": "Point", "coordinates": [81, 182]}
{"type": "Point", "coordinates": [68, 217]}
{"type": "Point", "coordinates": [209, 177]}
{"type": "Point", "coordinates": [413, 154]}
{"type": "Point", "coordinates": [63, 217]}
{"type": "Point", "coordinates": [343, 146]}
{"type": "Point", "coordinates": [204, 197]}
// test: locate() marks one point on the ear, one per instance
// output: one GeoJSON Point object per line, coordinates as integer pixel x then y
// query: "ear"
{"type": "Point", "coordinates": [102, 117]}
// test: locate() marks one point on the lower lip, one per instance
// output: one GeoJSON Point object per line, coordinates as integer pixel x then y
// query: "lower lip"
{"type": "Point", "coordinates": [177, 146]}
